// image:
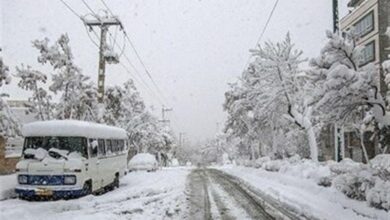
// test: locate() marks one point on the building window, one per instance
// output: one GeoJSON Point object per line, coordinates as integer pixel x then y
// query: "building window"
{"type": "Point", "coordinates": [368, 54]}
{"type": "Point", "coordinates": [365, 25]}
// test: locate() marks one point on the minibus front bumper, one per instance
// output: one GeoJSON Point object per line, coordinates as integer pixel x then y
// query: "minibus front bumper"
{"type": "Point", "coordinates": [49, 193]}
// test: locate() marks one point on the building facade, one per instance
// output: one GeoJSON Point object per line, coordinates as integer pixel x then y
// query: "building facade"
{"type": "Point", "coordinates": [369, 20]}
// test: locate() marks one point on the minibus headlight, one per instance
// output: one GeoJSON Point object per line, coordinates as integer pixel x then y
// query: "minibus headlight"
{"type": "Point", "coordinates": [23, 179]}
{"type": "Point", "coordinates": [70, 180]}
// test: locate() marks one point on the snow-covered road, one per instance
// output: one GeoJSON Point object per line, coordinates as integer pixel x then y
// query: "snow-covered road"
{"type": "Point", "coordinates": [141, 195]}
{"type": "Point", "coordinates": [216, 195]}
{"type": "Point", "coordinates": [185, 193]}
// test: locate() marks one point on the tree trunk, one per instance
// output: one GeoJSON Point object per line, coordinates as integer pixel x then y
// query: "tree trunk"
{"type": "Point", "coordinates": [364, 147]}
{"type": "Point", "coordinates": [312, 143]}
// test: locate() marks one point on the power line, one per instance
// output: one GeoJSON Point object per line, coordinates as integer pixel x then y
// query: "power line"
{"type": "Point", "coordinates": [70, 9]}
{"type": "Point", "coordinates": [138, 56]}
{"type": "Point", "coordinates": [89, 8]}
{"type": "Point", "coordinates": [132, 45]}
{"type": "Point", "coordinates": [263, 31]}
{"type": "Point", "coordinates": [124, 66]}
{"type": "Point", "coordinates": [266, 24]}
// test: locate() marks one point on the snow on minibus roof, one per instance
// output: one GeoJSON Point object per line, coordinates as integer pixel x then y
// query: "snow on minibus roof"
{"type": "Point", "coordinates": [72, 128]}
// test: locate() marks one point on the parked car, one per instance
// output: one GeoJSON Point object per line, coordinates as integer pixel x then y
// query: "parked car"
{"type": "Point", "coordinates": [143, 161]}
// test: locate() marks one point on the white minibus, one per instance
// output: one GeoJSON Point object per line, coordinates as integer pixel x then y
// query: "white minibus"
{"type": "Point", "coordinates": [68, 158]}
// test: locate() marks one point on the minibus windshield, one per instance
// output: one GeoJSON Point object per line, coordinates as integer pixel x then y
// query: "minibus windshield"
{"type": "Point", "coordinates": [71, 144]}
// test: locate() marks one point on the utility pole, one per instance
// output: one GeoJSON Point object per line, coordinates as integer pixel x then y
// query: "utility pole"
{"type": "Point", "coordinates": [338, 129]}
{"type": "Point", "coordinates": [104, 24]}
{"type": "Point", "coordinates": [163, 111]}
{"type": "Point", "coordinates": [335, 15]}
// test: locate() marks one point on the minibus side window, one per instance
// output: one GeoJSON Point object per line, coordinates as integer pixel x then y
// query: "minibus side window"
{"type": "Point", "coordinates": [101, 147]}
{"type": "Point", "coordinates": [93, 148]}
{"type": "Point", "coordinates": [115, 145]}
{"type": "Point", "coordinates": [121, 144]}
{"type": "Point", "coordinates": [109, 146]}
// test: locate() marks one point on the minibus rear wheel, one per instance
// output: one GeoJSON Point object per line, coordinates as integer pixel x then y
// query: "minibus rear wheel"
{"type": "Point", "coordinates": [116, 181]}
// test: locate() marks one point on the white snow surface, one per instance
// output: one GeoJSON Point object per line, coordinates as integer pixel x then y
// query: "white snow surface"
{"type": "Point", "coordinates": [7, 186]}
{"type": "Point", "coordinates": [73, 128]}
{"type": "Point", "coordinates": [305, 196]}
{"type": "Point", "coordinates": [140, 196]}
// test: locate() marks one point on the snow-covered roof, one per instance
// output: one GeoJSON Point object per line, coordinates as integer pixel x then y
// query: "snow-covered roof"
{"type": "Point", "coordinates": [72, 128]}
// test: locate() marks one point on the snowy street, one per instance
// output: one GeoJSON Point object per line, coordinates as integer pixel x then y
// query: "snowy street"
{"type": "Point", "coordinates": [215, 195]}
{"type": "Point", "coordinates": [141, 195]}
{"type": "Point", "coordinates": [185, 193]}
{"type": "Point", "coordinates": [192, 110]}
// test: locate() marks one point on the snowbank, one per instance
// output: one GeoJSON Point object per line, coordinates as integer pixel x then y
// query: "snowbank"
{"type": "Point", "coordinates": [381, 162]}
{"type": "Point", "coordinates": [140, 196]}
{"type": "Point", "coordinates": [7, 186]}
{"type": "Point", "coordinates": [355, 180]}
{"type": "Point", "coordinates": [304, 196]}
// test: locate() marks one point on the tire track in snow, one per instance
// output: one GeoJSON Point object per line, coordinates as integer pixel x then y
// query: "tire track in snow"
{"type": "Point", "coordinates": [217, 195]}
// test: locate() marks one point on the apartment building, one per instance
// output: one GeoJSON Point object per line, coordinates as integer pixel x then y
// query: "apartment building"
{"type": "Point", "coordinates": [369, 19]}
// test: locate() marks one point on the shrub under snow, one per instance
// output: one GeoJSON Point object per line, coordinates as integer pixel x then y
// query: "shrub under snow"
{"type": "Point", "coordinates": [355, 180]}
{"type": "Point", "coordinates": [345, 166]}
{"type": "Point", "coordinates": [355, 184]}
{"type": "Point", "coordinates": [259, 163]}
{"type": "Point", "coordinates": [363, 182]}
{"type": "Point", "coordinates": [379, 195]}
{"type": "Point", "coordinates": [308, 169]}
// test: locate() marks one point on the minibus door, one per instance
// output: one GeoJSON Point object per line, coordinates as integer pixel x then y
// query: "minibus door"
{"type": "Point", "coordinates": [93, 164]}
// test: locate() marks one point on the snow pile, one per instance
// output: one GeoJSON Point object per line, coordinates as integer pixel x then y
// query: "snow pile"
{"type": "Point", "coordinates": [295, 166]}
{"type": "Point", "coordinates": [7, 186]}
{"type": "Point", "coordinates": [309, 169]}
{"type": "Point", "coordinates": [364, 182]}
{"type": "Point", "coordinates": [38, 154]}
{"type": "Point", "coordinates": [345, 166]}
{"type": "Point", "coordinates": [260, 162]}
{"type": "Point", "coordinates": [354, 185]}
{"type": "Point", "coordinates": [379, 195]}
{"type": "Point", "coordinates": [274, 165]}
{"type": "Point", "coordinates": [381, 162]}
{"type": "Point", "coordinates": [143, 159]}
{"type": "Point", "coordinates": [355, 180]}
{"type": "Point", "coordinates": [304, 196]}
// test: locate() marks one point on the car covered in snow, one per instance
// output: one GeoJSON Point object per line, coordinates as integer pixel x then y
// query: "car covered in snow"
{"type": "Point", "coordinates": [68, 158]}
{"type": "Point", "coordinates": [143, 161]}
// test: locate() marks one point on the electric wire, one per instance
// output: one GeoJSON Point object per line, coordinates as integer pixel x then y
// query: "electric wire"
{"type": "Point", "coordinates": [138, 56]}
{"type": "Point", "coordinates": [262, 32]}
{"type": "Point", "coordinates": [132, 45]}
{"type": "Point", "coordinates": [124, 66]}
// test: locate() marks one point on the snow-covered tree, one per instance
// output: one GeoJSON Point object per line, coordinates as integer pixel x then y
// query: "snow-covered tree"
{"type": "Point", "coordinates": [341, 83]}
{"type": "Point", "coordinates": [78, 94]}
{"type": "Point", "coordinates": [40, 101]}
{"type": "Point", "coordinates": [345, 90]}
{"type": "Point", "coordinates": [9, 126]}
{"type": "Point", "coordinates": [270, 101]}
{"type": "Point", "coordinates": [125, 108]}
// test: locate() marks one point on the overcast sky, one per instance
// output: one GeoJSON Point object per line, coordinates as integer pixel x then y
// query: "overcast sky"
{"type": "Point", "coordinates": [192, 48]}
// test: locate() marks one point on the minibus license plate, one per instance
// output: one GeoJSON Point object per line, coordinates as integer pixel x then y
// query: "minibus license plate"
{"type": "Point", "coordinates": [44, 192]}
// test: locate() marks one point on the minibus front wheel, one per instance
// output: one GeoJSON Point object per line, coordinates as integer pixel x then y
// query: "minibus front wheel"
{"type": "Point", "coordinates": [87, 188]}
